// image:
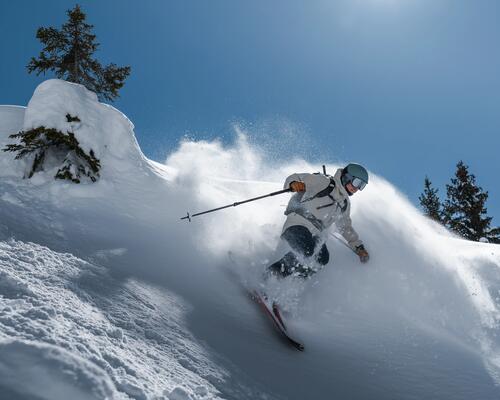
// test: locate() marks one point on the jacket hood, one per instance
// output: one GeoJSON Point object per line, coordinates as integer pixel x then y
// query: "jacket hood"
{"type": "Point", "coordinates": [338, 180]}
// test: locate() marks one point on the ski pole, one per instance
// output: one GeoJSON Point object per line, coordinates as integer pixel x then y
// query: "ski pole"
{"type": "Point", "coordinates": [188, 217]}
{"type": "Point", "coordinates": [341, 240]}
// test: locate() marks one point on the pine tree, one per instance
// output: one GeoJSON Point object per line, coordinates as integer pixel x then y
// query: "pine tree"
{"type": "Point", "coordinates": [429, 201]}
{"type": "Point", "coordinates": [464, 210]}
{"type": "Point", "coordinates": [68, 53]}
{"type": "Point", "coordinates": [41, 142]}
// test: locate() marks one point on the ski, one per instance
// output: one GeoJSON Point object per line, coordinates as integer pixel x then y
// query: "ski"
{"type": "Point", "coordinates": [273, 312]}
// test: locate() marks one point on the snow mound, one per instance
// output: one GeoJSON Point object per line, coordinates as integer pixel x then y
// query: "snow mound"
{"type": "Point", "coordinates": [42, 203]}
{"type": "Point", "coordinates": [101, 128]}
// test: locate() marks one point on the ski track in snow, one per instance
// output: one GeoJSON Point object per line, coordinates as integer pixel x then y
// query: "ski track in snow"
{"type": "Point", "coordinates": [104, 293]}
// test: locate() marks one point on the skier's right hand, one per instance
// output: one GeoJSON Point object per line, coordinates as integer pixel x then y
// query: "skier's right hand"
{"type": "Point", "coordinates": [297, 186]}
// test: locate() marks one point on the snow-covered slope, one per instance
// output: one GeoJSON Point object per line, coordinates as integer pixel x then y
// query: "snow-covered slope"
{"type": "Point", "coordinates": [69, 329]}
{"type": "Point", "coordinates": [105, 292]}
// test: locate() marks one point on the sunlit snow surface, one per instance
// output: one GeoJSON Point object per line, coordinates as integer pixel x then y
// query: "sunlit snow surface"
{"type": "Point", "coordinates": [106, 293]}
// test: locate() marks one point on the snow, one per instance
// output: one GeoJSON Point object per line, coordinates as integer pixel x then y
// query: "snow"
{"type": "Point", "coordinates": [102, 128]}
{"type": "Point", "coordinates": [60, 325]}
{"type": "Point", "coordinates": [12, 118]}
{"type": "Point", "coordinates": [105, 293]}
{"type": "Point", "coordinates": [29, 366]}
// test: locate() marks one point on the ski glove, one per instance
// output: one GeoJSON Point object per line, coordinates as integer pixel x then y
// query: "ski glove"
{"type": "Point", "coordinates": [362, 253]}
{"type": "Point", "coordinates": [297, 186]}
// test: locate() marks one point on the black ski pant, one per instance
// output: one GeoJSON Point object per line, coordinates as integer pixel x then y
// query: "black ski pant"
{"type": "Point", "coordinates": [302, 242]}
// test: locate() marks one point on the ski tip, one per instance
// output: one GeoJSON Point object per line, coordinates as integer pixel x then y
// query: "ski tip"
{"type": "Point", "coordinates": [274, 315]}
{"type": "Point", "coordinates": [297, 345]}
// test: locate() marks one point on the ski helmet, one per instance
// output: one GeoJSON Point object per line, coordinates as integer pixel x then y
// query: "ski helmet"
{"type": "Point", "coordinates": [355, 174]}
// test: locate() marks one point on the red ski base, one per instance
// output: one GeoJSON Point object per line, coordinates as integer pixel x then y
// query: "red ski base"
{"type": "Point", "coordinates": [275, 316]}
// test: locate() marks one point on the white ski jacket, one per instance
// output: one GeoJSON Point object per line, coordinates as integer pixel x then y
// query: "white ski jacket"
{"type": "Point", "coordinates": [325, 202]}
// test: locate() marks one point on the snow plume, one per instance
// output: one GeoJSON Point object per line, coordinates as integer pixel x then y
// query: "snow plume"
{"type": "Point", "coordinates": [423, 287]}
{"type": "Point", "coordinates": [132, 301]}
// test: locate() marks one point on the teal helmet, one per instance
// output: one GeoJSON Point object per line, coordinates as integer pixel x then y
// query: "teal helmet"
{"type": "Point", "coordinates": [355, 174]}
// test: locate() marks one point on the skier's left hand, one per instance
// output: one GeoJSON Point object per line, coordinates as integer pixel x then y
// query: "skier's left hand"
{"type": "Point", "coordinates": [362, 254]}
{"type": "Point", "coordinates": [298, 186]}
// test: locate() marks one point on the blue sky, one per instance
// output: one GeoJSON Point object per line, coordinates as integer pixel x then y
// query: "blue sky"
{"type": "Point", "coordinates": [406, 87]}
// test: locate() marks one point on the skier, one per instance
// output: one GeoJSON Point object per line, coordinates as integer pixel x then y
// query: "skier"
{"type": "Point", "coordinates": [320, 201]}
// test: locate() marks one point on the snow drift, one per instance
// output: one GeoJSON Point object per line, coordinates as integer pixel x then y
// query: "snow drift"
{"type": "Point", "coordinates": [100, 128]}
{"type": "Point", "coordinates": [148, 306]}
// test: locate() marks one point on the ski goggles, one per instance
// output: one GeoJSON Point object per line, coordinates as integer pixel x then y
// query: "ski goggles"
{"type": "Point", "coordinates": [358, 183]}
